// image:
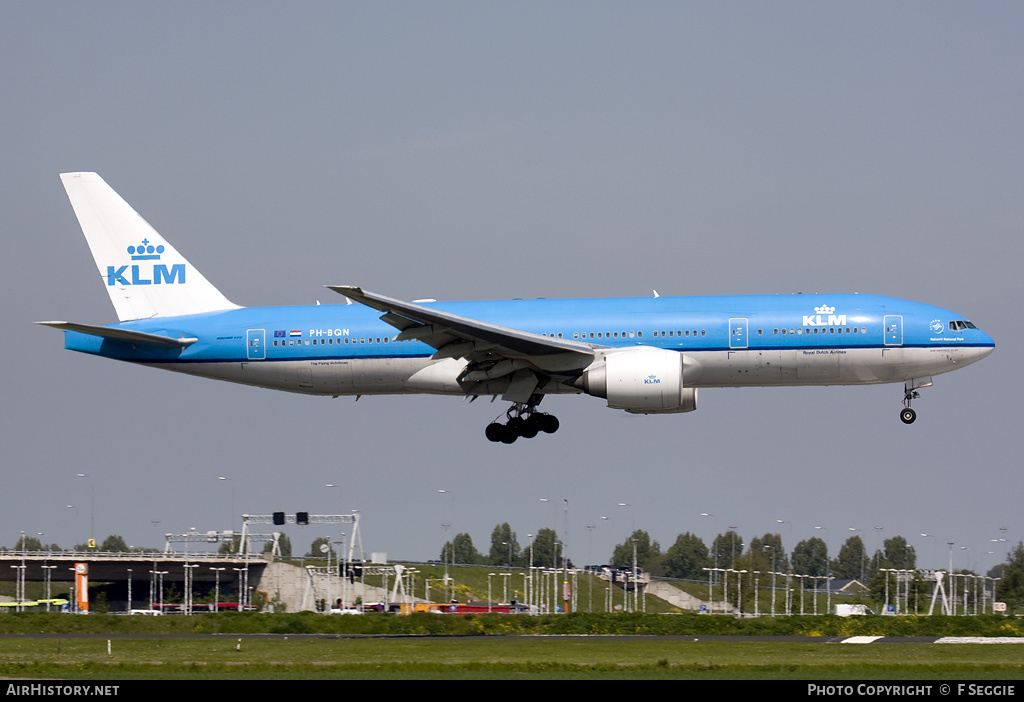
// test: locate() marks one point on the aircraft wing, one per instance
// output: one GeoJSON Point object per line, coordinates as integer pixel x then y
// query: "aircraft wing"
{"type": "Point", "coordinates": [461, 337]}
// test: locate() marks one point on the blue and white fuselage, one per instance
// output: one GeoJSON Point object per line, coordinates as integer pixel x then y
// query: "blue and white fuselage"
{"type": "Point", "coordinates": [644, 355]}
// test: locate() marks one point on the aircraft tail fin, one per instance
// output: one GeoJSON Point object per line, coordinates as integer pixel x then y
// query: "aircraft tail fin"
{"type": "Point", "coordinates": [144, 275]}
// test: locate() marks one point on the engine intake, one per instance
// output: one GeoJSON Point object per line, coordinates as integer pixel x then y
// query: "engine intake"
{"type": "Point", "coordinates": [642, 380]}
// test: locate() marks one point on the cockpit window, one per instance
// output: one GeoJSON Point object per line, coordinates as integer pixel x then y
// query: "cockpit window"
{"type": "Point", "coordinates": [960, 325]}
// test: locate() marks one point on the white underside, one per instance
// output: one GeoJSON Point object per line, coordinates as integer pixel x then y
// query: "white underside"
{"type": "Point", "coordinates": [740, 368]}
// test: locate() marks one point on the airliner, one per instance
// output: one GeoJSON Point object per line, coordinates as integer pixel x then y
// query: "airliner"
{"type": "Point", "coordinates": [645, 355]}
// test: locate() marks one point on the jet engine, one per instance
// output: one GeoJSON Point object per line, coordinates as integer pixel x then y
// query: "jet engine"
{"type": "Point", "coordinates": [642, 380]}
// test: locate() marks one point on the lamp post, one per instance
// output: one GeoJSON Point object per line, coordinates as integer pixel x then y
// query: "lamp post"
{"type": "Point", "coordinates": [243, 584]}
{"type": "Point", "coordinates": [772, 547]}
{"type": "Point", "coordinates": [757, 611]}
{"type": "Point", "coordinates": [160, 586]}
{"type": "Point", "coordinates": [47, 570]}
{"type": "Point", "coordinates": [531, 595]}
{"type": "Point", "coordinates": [590, 557]}
{"type": "Point", "coordinates": [504, 587]}
{"type": "Point", "coordinates": [451, 549]}
{"type": "Point", "coordinates": [828, 572]}
{"type": "Point", "coordinates": [189, 574]}
{"type": "Point", "coordinates": [216, 587]}
{"type": "Point", "coordinates": [92, 508]}
{"type": "Point", "coordinates": [861, 554]}
{"type": "Point", "coordinates": [636, 586]}
{"type": "Point", "coordinates": [19, 587]}
{"type": "Point", "coordinates": [708, 514]}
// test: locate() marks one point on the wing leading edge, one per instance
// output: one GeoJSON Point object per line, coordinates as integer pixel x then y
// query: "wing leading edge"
{"type": "Point", "coordinates": [492, 351]}
{"type": "Point", "coordinates": [461, 337]}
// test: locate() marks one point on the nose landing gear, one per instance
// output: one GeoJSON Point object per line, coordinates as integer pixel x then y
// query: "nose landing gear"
{"type": "Point", "coordinates": [907, 415]}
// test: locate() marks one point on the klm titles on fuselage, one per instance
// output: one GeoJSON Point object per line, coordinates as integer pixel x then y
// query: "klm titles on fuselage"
{"type": "Point", "coordinates": [159, 273]}
{"type": "Point", "coordinates": [824, 318]}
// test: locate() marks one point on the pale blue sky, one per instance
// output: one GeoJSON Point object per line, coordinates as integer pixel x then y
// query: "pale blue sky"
{"type": "Point", "coordinates": [466, 150]}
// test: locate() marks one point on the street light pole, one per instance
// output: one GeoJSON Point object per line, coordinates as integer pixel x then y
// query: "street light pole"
{"type": "Point", "coordinates": [92, 508]}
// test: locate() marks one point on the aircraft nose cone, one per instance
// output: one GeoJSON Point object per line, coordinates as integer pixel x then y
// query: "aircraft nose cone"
{"type": "Point", "coordinates": [991, 344]}
{"type": "Point", "coordinates": [986, 346]}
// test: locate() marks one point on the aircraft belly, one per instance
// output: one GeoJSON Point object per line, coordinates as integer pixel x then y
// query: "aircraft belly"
{"type": "Point", "coordinates": [729, 368]}
{"type": "Point", "coordinates": [821, 366]}
{"type": "Point", "coordinates": [313, 377]}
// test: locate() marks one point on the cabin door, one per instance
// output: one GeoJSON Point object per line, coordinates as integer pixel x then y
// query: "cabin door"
{"type": "Point", "coordinates": [893, 329]}
{"type": "Point", "coordinates": [256, 344]}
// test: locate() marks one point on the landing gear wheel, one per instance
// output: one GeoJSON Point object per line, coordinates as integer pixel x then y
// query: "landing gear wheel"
{"type": "Point", "coordinates": [548, 423]}
{"type": "Point", "coordinates": [529, 428]}
{"type": "Point", "coordinates": [494, 431]}
{"type": "Point", "coordinates": [907, 415]}
{"type": "Point", "coordinates": [522, 420]}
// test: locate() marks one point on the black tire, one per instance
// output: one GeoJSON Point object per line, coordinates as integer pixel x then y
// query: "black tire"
{"type": "Point", "coordinates": [494, 431]}
{"type": "Point", "coordinates": [548, 423]}
{"type": "Point", "coordinates": [907, 416]}
{"type": "Point", "coordinates": [530, 426]}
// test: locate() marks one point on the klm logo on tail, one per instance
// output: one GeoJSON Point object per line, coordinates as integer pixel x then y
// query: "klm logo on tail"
{"type": "Point", "coordinates": [158, 273]}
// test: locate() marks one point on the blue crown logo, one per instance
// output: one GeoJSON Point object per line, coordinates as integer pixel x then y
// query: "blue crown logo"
{"type": "Point", "coordinates": [145, 251]}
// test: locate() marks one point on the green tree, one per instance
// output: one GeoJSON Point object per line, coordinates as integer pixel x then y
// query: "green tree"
{"type": "Point", "coordinates": [1011, 588]}
{"type": "Point", "coordinates": [771, 550]}
{"type": "Point", "coordinates": [899, 554]}
{"type": "Point", "coordinates": [31, 543]}
{"type": "Point", "coordinates": [646, 551]}
{"type": "Point", "coordinates": [314, 548]}
{"type": "Point", "coordinates": [232, 546]}
{"type": "Point", "coordinates": [504, 546]}
{"type": "Point", "coordinates": [687, 557]}
{"type": "Point", "coordinates": [754, 558]}
{"type": "Point", "coordinates": [810, 557]}
{"type": "Point", "coordinates": [114, 544]}
{"type": "Point", "coordinates": [851, 562]}
{"type": "Point", "coordinates": [461, 550]}
{"type": "Point", "coordinates": [284, 545]}
{"type": "Point", "coordinates": [545, 545]}
{"type": "Point", "coordinates": [726, 548]}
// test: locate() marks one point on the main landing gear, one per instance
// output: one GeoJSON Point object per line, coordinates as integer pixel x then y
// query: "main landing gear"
{"type": "Point", "coordinates": [522, 420]}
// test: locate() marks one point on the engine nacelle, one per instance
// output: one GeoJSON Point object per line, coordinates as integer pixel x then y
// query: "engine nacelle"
{"type": "Point", "coordinates": [641, 380]}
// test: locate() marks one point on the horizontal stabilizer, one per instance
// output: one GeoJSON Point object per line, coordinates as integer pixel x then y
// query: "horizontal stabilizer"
{"type": "Point", "coordinates": [135, 337]}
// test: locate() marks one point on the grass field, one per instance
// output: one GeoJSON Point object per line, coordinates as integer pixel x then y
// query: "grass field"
{"type": "Point", "coordinates": [324, 657]}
